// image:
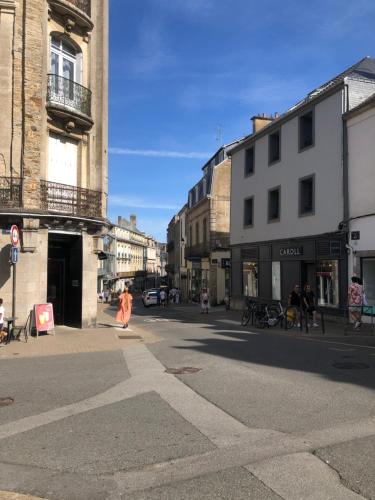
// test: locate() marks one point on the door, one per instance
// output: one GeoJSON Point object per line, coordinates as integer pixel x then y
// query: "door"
{"type": "Point", "coordinates": [56, 289]}
{"type": "Point", "coordinates": [62, 160]}
{"type": "Point", "coordinates": [308, 275]}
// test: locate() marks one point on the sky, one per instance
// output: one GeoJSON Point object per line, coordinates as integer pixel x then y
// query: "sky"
{"type": "Point", "coordinates": [186, 76]}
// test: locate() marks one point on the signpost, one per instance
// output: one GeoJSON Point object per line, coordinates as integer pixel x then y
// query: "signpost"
{"type": "Point", "coordinates": [14, 239]}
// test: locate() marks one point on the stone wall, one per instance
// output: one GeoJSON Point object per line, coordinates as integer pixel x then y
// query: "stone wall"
{"type": "Point", "coordinates": [89, 282]}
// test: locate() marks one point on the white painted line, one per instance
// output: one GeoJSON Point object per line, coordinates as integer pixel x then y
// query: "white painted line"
{"type": "Point", "coordinates": [341, 350]}
{"type": "Point", "coordinates": [302, 475]}
{"type": "Point", "coordinates": [335, 342]}
{"type": "Point", "coordinates": [227, 321]}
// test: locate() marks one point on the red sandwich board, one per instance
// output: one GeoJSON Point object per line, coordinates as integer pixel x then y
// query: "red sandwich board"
{"type": "Point", "coordinates": [44, 317]}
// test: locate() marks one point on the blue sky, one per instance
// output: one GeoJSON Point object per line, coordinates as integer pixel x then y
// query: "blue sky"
{"type": "Point", "coordinates": [179, 69]}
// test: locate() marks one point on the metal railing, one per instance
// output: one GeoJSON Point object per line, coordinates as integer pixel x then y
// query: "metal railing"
{"type": "Point", "coordinates": [68, 94]}
{"type": "Point", "coordinates": [200, 250]}
{"type": "Point", "coordinates": [71, 200]}
{"type": "Point", "coordinates": [10, 192]}
{"type": "Point", "coordinates": [84, 5]}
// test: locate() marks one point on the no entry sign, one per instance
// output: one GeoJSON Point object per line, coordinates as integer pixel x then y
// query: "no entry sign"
{"type": "Point", "coordinates": [14, 236]}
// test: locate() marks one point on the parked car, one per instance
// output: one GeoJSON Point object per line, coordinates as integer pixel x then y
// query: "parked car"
{"type": "Point", "coordinates": [150, 297]}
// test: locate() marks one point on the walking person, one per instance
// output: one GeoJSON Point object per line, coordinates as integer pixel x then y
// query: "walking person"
{"type": "Point", "coordinates": [205, 301]}
{"type": "Point", "coordinates": [308, 303]}
{"type": "Point", "coordinates": [177, 296]}
{"type": "Point", "coordinates": [355, 301]}
{"type": "Point", "coordinates": [294, 302]}
{"type": "Point", "coordinates": [125, 302]}
{"type": "Point", "coordinates": [163, 297]}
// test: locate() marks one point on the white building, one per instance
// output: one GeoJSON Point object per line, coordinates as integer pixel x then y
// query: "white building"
{"type": "Point", "coordinates": [360, 220]}
{"type": "Point", "coordinates": [288, 199]}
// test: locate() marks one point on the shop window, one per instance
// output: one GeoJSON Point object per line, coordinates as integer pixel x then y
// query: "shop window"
{"type": "Point", "coordinates": [306, 130]}
{"type": "Point", "coordinates": [327, 283]}
{"type": "Point", "coordinates": [307, 195]}
{"type": "Point", "coordinates": [248, 212]}
{"type": "Point", "coordinates": [276, 281]}
{"type": "Point", "coordinates": [250, 279]}
{"type": "Point", "coordinates": [274, 147]}
{"type": "Point", "coordinates": [368, 277]}
{"type": "Point", "coordinates": [274, 204]}
{"type": "Point", "coordinates": [249, 161]}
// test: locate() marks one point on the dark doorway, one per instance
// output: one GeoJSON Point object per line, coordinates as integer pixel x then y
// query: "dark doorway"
{"type": "Point", "coordinates": [308, 275]}
{"type": "Point", "coordinates": [64, 287]}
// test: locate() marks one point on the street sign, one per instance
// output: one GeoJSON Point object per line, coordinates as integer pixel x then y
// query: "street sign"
{"type": "Point", "coordinates": [14, 236]}
{"type": "Point", "coordinates": [14, 255]}
{"type": "Point", "coordinates": [355, 235]}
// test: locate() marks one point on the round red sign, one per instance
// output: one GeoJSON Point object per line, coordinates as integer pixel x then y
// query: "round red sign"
{"type": "Point", "coordinates": [14, 235]}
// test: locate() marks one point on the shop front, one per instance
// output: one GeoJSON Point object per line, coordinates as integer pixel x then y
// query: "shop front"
{"type": "Point", "coordinates": [268, 271]}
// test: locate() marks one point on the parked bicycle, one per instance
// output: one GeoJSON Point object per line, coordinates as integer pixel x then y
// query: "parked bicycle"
{"type": "Point", "coordinates": [248, 312]}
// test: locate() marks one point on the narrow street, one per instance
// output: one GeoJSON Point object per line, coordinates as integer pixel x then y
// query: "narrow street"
{"type": "Point", "coordinates": [256, 414]}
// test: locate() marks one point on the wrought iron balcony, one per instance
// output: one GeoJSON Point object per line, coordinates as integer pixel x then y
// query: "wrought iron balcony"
{"type": "Point", "coordinates": [199, 251]}
{"type": "Point", "coordinates": [84, 5]}
{"type": "Point", "coordinates": [72, 200]}
{"type": "Point", "coordinates": [78, 11]}
{"type": "Point", "coordinates": [68, 97]}
{"type": "Point", "coordinates": [10, 192]}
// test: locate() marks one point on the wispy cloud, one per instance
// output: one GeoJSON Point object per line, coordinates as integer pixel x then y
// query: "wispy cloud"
{"type": "Point", "coordinates": [151, 153]}
{"type": "Point", "coordinates": [135, 202]}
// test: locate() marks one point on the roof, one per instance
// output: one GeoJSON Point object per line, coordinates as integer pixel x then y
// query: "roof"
{"type": "Point", "coordinates": [363, 106]}
{"type": "Point", "coordinates": [363, 69]}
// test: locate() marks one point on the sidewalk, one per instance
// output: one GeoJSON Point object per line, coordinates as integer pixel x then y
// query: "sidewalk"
{"type": "Point", "coordinates": [74, 340]}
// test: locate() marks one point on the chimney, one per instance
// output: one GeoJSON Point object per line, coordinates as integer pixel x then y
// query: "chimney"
{"type": "Point", "coordinates": [119, 220]}
{"type": "Point", "coordinates": [260, 121]}
{"type": "Point", "coordinates": [133, 221]}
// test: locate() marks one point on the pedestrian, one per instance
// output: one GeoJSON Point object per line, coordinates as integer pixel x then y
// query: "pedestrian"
{"type": "Point", "coordinates": [158, 296]}
{"type": "Point", "coordinates": [294, 302]}
{"type": "Point", "coordinates": [106, 295]}
{"type": "Point", "coordinates": [177, 296]}
{"type": "Point", "coordinates": [227, 302]}
{"type": "Point", "coordinates": [308, 303]}
{"type": "Point", "coordinates": [3, 334]}
{"type": "Point", "coordinates": [205, 301]}
{"type": "Point", "coordinates": [125, 302]}
{"type": "Point", "coordinates": [355, 301]}
{"type": "Point", "coordinates": [163, 297]}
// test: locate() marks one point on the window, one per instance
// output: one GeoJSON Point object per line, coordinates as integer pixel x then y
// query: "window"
{"type": "Point", "coordinates": [327, 283]}
{"type": "Point", "coordinates": [64, 59]}
{"type": "Point", "coordinates": [306, 130]}
{"type": "Point", "coordinates": [62, 160]}
{"type": "Point", "coordinates": [249, 161]}
{"type": "Point", "coordinates": [197, 233]}
{"type": "Point", "coordinates": [274, 147]}
{"type": "Point", "coordinates": [204, 230]}
{"type": "Point", "coordinates": [274, 204]}
{"type": "Point", "coordinates": [306, 196]}
{"type": "Point", "coordinates": [368, 276]}
{"type": "Point", "coordinates": [250, 279]}
{"type": "Point", "coordinates": [276, 281]}
{"type": "Point", "coordinates": [248, 212]}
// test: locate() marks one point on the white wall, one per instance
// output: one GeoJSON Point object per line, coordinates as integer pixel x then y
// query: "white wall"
{"type": "Point", "coordinates": [324, 160]}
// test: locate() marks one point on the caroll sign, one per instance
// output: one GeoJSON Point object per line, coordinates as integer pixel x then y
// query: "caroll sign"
{"type": "Point", "coordinates": [291, 251]}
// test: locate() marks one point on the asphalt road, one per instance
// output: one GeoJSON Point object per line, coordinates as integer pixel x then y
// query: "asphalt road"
{"type": "Point", "coordinates": [263, 416]}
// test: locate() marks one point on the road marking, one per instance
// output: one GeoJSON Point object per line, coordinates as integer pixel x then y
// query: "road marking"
{"type": "Point", "coordinates": [301, 475]}
{"type": "Point", "coordinates": [341, 350]}
{"type": "Point", "coordinates": [227, 321]}
{"type": "Point", "coordinates": [156, 320]}
{"type": "Point", "coordinates": [336, 342]}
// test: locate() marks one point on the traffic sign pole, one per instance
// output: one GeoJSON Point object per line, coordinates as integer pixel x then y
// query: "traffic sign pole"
{"type": "Point", "coordinates": [14, 238]}
{"type": "Point", "coordinates": [14, 266]}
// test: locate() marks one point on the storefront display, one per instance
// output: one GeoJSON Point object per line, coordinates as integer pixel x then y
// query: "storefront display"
{"type": "Point", "coordinates": [327, 283]}
{"type": "Point", "coordinates": [250, 279]}
{"type": "Point", "coordinates": [368, 277]}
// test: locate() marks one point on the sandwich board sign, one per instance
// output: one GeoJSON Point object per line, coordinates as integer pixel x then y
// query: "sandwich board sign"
{"type": "Point", "coordinates": [44, 320]}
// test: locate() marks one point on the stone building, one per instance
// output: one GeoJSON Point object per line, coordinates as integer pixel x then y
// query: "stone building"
{"type": "Point", "coordinates": [207, 250]}
{"type": "Point", "coordinates": [53, 152]}
{"type": "Point", "coordinates": [176, 241]}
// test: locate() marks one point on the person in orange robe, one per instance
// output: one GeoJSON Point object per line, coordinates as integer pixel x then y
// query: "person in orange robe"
{"type": "Point", "coordinates": [125, 301]}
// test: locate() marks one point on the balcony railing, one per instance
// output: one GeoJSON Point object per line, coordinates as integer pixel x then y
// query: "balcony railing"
{"type": "Point", "coordinates": [10, 192]}
{"type": "Point", "coordinates": [84, 5]}
{"type": "Point", "coordinates": [70, 200]}
{"type": "Point", "coordinates": [68, 94]}
{"type": "Point", "coordinates": [197, 251]}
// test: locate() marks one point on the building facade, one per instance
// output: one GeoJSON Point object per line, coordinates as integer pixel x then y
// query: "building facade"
{"type": "Point", "coordinates": [176, 242]}
{"type": "Point", "coordinates": [360, 214]}
{"type": "Point", "coordinates": [288, 197]}
{"type": "Point", "coordinates": [207, 250]}
{"type": "Point", "coordinates": [53, 152]}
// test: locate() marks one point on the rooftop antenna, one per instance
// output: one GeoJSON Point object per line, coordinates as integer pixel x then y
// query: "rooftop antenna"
{"type": "Point", "coordinates": [219, 135]}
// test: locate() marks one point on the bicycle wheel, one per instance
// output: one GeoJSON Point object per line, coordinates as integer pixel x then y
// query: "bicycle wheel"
{"type": "Point", "coordinates": [245, 317]}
